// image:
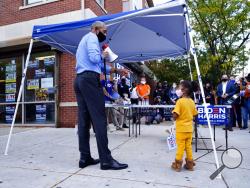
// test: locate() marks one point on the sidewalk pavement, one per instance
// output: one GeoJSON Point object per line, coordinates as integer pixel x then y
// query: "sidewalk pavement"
{"type": "Point", "coordinates": [48, 157]}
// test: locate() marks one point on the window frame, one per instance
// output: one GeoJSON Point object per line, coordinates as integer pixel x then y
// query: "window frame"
{"type": "Point", "coordinates": [42, 2]}
{"type": "Point", "coordinates": [26, 2]}
{"type": "Point", "coordinates": [23, 102]}
{"type": "Point", "coordinates": [102, 4]}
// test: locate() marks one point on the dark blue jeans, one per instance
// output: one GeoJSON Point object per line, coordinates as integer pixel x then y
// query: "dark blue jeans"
{"type": "Point", "coordinates": [91, 108]}
{"type": "Point", "coordinates": [245, 109]}
{"type": "Point", "coordinates": [236, 116]}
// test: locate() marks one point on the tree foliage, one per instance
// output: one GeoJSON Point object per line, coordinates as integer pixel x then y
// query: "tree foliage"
{"type": "Point", "coordinates": [222, 29]}
{"type": "Point", "coordinates": [170, 70]}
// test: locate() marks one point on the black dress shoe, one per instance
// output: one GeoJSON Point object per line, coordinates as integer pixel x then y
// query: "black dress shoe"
{"type": "Point", "coordinates": [124, 126]}
{"type": "Point", "coordinates": [113, 165]}
{"type": "Point", "coordinates": [87, 162]}
{"type": "Point", "coordinates": [229, 129]}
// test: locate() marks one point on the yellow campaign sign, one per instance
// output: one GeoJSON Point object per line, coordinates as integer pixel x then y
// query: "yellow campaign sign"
{"type": "Point", "coordinates": [33, 84]}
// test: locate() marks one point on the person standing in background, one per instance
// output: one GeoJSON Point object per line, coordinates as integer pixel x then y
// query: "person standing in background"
{"type": "Point", "coordinates": [123, 90]}
{"type": "Point", "coordinates": [225, 90]}
{"type": "Point", "coordinates": [158, 92]}
{"type": "Point", "coordinates": [209, 94]}
{"type": "Point", "coordinates": [143, 91]}
{"type": "Point", "coordinates": [133, 94]}
{"type": "Point", "coordinates": [134, 100]}
{"type": "Point", "coordinates": [237, 116]}
{"type": "Point", "coordinates": [165, 97]}
{"type": "Point", "coordinates": [172, 94]}
{"type": "Point", "coordinates": [245, 87]}
{"type": "Point", "coordinates": [110, 96]}
{"type": "Point", "coordinates": [158, 98]}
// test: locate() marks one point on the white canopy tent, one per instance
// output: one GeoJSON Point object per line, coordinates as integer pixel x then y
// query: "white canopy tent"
{"type": "Point", "coordinates": [153, 33]}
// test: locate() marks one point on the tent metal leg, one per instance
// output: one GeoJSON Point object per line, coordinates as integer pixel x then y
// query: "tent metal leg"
{"type": "Point", "coordinates": [201, 85]}
{"type": "Point", "coordinates": [19, 97]}
{"type": "Point", "coordinates": [190, 70]}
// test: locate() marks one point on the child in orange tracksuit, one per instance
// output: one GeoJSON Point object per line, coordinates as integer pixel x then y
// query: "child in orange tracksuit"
{"type": "Point", "coordinates": [184, 113]}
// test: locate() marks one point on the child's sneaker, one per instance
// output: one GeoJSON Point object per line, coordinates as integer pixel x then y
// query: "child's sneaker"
{"type": "Point", "coordinates": [189, 165]}
{"type": "Point", "coordinates": [177, 165]}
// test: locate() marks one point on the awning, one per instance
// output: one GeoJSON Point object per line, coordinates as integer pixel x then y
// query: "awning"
{"type": "Point", "coordinates": [152, 33]}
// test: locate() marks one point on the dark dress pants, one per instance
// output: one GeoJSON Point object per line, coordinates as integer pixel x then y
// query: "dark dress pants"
{"type": "Point", "coordinates": [236, 116]}
{"type": "Point", "coordinates": [91, 108]}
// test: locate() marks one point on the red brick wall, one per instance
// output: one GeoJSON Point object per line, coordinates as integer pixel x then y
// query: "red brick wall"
{"type": "Point", "coordinates": [113, 6]}
{"type": "Point", "coordinates": [10, 12]}
{"type": "Point", "coordinates": [66, 78]}
{"type": "Point", "coordinates": [93, 5]}
{"type": "Point", "coordinates": [67, 117]}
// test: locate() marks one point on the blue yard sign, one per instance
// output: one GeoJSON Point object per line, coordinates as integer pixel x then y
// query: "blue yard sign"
{"type": "Point", "coordinates": [217, 115]}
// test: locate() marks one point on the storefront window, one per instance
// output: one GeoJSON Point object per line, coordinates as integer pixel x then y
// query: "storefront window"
{"type": "Point", "coordinates": [10, 79]}
{"type": "Point", "coordinates": [38, 104]}
{"type": "Point", "coordinates": [40, 113]}
{"type": "Point", "coordinates": [40, 89]}
{"type": "Point", "coordinates": [40, 78]}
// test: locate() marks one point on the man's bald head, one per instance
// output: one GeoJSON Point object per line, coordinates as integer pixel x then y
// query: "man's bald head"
{"type": "Point", "coordinates": [98, 25]}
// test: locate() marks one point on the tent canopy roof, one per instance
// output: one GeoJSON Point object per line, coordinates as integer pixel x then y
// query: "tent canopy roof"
{"type": "Point", "coordinates": [152, 33]}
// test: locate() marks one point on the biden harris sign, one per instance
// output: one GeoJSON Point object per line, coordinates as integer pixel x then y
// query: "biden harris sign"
{"type": "Point", "coordinates": [217, 115]}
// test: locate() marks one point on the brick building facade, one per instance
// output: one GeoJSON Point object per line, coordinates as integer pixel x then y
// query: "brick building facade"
{"type": "Point", "coordinates": [17, 17]}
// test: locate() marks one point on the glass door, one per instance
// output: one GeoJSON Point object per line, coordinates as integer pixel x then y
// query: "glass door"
{"type": "Point", "coordinates": [10, 80]}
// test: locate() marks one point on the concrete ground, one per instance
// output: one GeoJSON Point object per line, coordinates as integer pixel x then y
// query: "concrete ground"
{"type": "Point", "coordinates": [48, 157]}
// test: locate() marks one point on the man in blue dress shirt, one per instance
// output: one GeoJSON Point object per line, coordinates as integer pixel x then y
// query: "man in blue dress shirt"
{"type": "Point", "coordinates": [90, 98]}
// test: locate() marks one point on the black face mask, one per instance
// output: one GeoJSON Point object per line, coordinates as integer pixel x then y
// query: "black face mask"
{"type": "Point", "coordinates": [101, 36]}
{"type": "Point", "coordinates": [224, 80]}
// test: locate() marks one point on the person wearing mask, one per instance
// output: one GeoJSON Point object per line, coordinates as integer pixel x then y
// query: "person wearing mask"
{"type": "Point", "coordinates": [110, 95]}
{"type": "Point", "coordinates": [183, 114]}
{"type": "Point", "coordinates": [225, 91]}
{"type": "Point", "coordinates": [143, 91]}
{"type": "Point", "coordinates": [172, 93]}
{"type": "Point", "coordinates": [209, 94]}
{"type": "Point", "coordinates": [198, 97]}
{"type": "Point", "coordinates": [123, 90]}
{"type": "Point", "coordinates": [90, 98]}
{"type": "Point", "coordinates": [165, 97]}
{"type": "Point", "coordinates": [158, 98]}
{"type": "Point", "coordinates": [232, 79]}
{"type": "Point", "coordinates": [158, 92]}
